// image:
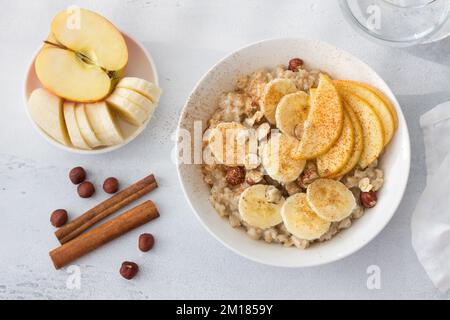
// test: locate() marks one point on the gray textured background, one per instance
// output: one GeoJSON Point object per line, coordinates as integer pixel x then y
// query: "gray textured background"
{"type": "Point", "coordinates": [185, 38]}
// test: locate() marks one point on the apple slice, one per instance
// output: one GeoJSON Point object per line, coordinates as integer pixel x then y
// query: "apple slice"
{"type": "Point", "coordinates": [128, 110]}
{"type": "Point", "coordinates": [72, 126]}
{"type": "Point", "coordinates": [359, 144]}
{"type": "Point", "coordinates": [383, 97]}
{"type": "Point", "coordinates": [104, 123]}
{"type": "Point", "coordinates": [324, 124]}
{"type": "Point", "coordinates": [46, 110]}
{"type": "Point", "coordinates": [144, 87]}
{"type": "Point", "coordinates": [338, 156]}
{"type": "Point", "coordinates": [382, 110]}
{"type": "Point", "coordinates": [85, 127]}
{"type": "Point", "coordinates": [372, 128]}
{"type": "Point", "coordinates": [81, 63]}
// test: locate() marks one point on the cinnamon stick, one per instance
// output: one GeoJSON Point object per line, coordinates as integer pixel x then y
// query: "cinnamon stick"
{"type": "Point", "coordinates": [103, 234]}
{"type": "Point", "coordinates": [106, 208]}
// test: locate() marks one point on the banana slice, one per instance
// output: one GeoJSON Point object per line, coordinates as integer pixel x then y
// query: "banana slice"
{"type": "Point", "coordinates": [141, 86]}
{"type": "Point", "coordinates": [300, 220]}
{"type": "Point", "coordinates": [75, 135]}
{"type": "Point", "coordinates": [278, 161]}
{"type": "Point", "coordinates": [359, 144]}
{"type": "Point", "coordinates": [325, 121]}
{"type": "Point", "coordinates": [104, 123]}
{"type": "Point", "coordinates": [85, 127]}
{"type": "Point", "coordinates": [46, 109]}
{"type": "Point", "coordinates": [260, 206]}
{"type": "Point", "coordinates": [334, 160]}
{"type": "Point", "coordinates": [273, 92]}
{"type": "Point", "coordinates": [229, 143]}
{"type": "Point", "coordinates": [330, 199]}
{"type": "Point", "coordinates": [292, 112]}
{"type": "Point", "coordinates": [127, 109]}
{"type": "Point", "coordinates": [139, 99]}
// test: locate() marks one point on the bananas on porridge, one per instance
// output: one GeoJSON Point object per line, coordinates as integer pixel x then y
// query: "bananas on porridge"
{"type": "Point", "coordinates": [296, 153]}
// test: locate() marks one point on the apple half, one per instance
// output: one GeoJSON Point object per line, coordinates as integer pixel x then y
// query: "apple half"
{"type": "Point", "coordinates": [83, 62]}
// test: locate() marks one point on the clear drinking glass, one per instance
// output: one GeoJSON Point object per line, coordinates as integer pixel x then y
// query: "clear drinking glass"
{"type": "Point", "coordinates": [399, 22]}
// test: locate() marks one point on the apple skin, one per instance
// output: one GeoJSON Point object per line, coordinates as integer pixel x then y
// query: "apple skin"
{"type": "Point", "coordinates": [82, 64]}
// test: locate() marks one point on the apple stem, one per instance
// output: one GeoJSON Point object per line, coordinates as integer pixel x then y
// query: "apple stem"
{"type": "Point", "coordinates": [57, 45]}
{"type": "Point", "coordinates": [82, 56]}
{"type": "Point", "coordinates": [111, 74]}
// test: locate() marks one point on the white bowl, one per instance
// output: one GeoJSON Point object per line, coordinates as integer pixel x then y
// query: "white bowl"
{"type": "Point", "coordinates": [140, 64]}
{"type": "Point", "coordinates": [339, 64]}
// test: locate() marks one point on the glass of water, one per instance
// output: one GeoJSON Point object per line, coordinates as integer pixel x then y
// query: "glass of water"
{"type": "Point", "coordinates": [399, 22]}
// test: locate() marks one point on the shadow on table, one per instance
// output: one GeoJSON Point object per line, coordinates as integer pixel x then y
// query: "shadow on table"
{"type": "Point", "coordinates": [413, 107]}
{"type": "Point", "coordinates": [438, 52]}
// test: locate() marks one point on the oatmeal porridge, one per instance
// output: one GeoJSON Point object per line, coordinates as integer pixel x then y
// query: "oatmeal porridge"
{"type": "Point", "coordinates": [320, 175]}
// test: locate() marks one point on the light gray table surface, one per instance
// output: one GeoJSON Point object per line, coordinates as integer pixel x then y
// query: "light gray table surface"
{"type": "Point", "coordinates": [186, 37]}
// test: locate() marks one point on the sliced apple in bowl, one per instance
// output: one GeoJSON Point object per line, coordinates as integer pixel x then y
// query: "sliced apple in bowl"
{"type": "Point", "coordinates": [324, 123]}
{"type": "Point", "coordinates": [82, 63]}
{"type": "Point", "coordinates": [339, 155]}
{"type": "Point", "coordinates": [372, 127]}
{"type": "Point", "coordinates": [378, 105]}
{"type": "Point", "coordinates": [358, 147]}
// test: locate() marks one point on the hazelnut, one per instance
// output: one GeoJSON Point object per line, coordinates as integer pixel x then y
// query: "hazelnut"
{"type": "Point", "coordinates": [368, 199]}
{"type": "Point", "coordinates": [128, 270]}
{"type": "Point", "coordinates": [295, 64]}
{"type": "Point", "coordinates": [86, 189]}
{"type": "Point", "coordinates": [146, 242]}
{"type": "Point", "coordinates": [59, 218]}
{"type": "Point", "coordinates": [273, 195]}
{"type": "Point", "coordinates": [77, 175]}
{"type": "Point", "coordinates": [111, 185]}
{"type": "Point", "coordinates": [235, 176]}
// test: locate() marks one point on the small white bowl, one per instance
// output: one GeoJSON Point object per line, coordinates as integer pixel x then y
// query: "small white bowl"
{"type": "Point", "coordinates": [339, 64]}
{"type": "Point", "coordinates": [140, 64]}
